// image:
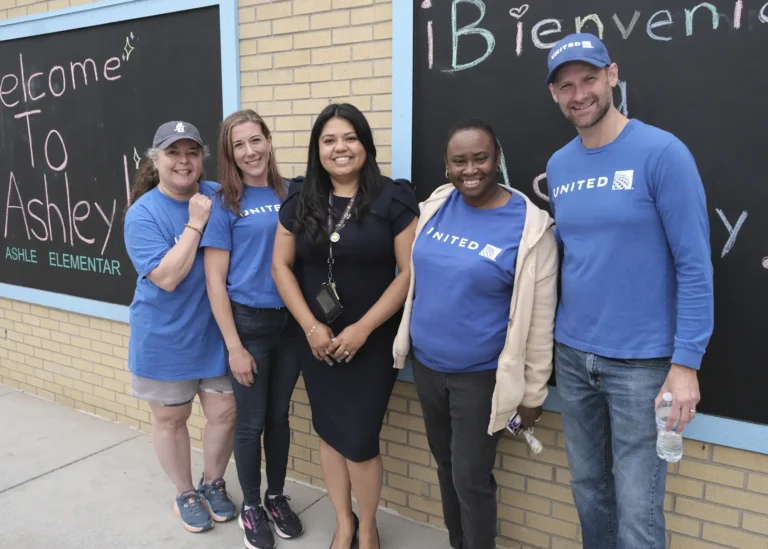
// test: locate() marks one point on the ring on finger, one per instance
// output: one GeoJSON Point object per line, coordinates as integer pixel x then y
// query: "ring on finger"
{"type": "Point", "coordinates": [346, 353]}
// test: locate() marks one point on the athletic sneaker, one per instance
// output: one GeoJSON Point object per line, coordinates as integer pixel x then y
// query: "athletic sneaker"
{"type": "Point", "coordinates": [255, 524]}
{"type": "Point", "coordinates": [287, 523]}
{"type": "Point", "coordinates": [190, 508]}
{"type": "Point", "coordinates": [217, 500]}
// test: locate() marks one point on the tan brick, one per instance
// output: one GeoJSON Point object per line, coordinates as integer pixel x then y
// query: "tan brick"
{"type": "Point", "coordinates": [408, 512]}
{"type": "Point", "coordinates": [270, 45]}
{"type": "Point", "coordinates": [705, 511]}
{"type": "Point", "coordinates": [71, 329]}
{"type": "Point", "coordinates": [19, 331]}
{"type": "Point", "coordinates": [138, 415]}
{"type": "Point", "coordinates": [308, 40]}
{"type": "Point", "coordinates": [551, 525]}
{"type": "Point", "coordinates": [395, 465]}
{"type": "Point", "coordinates": [756, 523]}
{"type": "Point", "coordinates": [394, 434]}
{"type": "Point", "coordinates": [758, 483]}
{"type": "Point", "coordinates": [418, 440]}
{"type": "Point", "coordinates": [291, 59]}
{"type": "Point", "coordinates": [300, 424]}
{"type": "Point", "coordinates": [117, 386]}
{"type": "Point", "coordinates": [260, 93]}
{"type": "Point", "coordinates": [256, 63]}
{"type": "Point", "coordinates": [712, 473]}
{"type": "Point", "coordinates": [422, 473]}
{"type": "Point", "coordinates": [273, 11]}
{"type": "Point", "coordinates": [683, 525]}
{"type": "Point", "coordinates": [550, 491]}
{"type": "Point", "coordinates": [61, 316]}
{"type": "Point", "coordinates": [371, 86]}
{"type": "Point", "coordinates": [696, 449]}
{"type": "Point", "coordinates": [379, 120]}
{"type": "Point", "coordinates": [313, 74]}
{"type": "Point", "coordinates": [527, 467]}
{"type": "Point", "coordinates": [246, 15]}
{"type": "Point", "coordinates": [561, 543]}
{"type": "Point", "coordinates": [30, 319]}
{"type": "Point", "coordinates": [307, 468]}
{"type": "Point", "coordinates": [511, 514]}
{"type": "Point", "coordinates": [565, 512]}
{"type": "Point", "coordinates": [247, 47]}
{"type": "Point", "coordinates": [330, 20]}
{"type": "Point", "coordinates": [79, 320]}
{"type": "Point", "coordinates": [61, 338]}
{"type": "Point", "coordinates": [407, 453]}
{"type": "Point", "coordinates": [509, 480]}
{"type": "Point", "coordinates": [12, 315]}
{"type": "Point", "coordinates": [408, 484]}
{"type": "Point", "coordinates": [291, 25]}
{"type": "Point", "coordinates": [350, 35]}
{"type": "Point", "coordinates": [735, 498]}
{"type": "Point", "coordinates": [374, 14]}
{"type": "Point", "coordinates": [338, 54]}
{"type": "Point", "coordinates": [294, 91]}
{"type": "Point", "coordinates": [268, 78]}
{"type": "Point", "coordinates": [276, 108]}
{"type": "Point", "coordinates": [685, 487]}
{"type": "Point", "coordinates": [340, 4]}
{"type": "Point", "coordinates": [425, 505]}
{"type": "Point", "coordinates": [20, 307]}
{"type": "Point", "coordinates": [733, 538]}
{"type": "Point", "coordinates": [382, 31]}
{"type": "Point", "coordinates": [301, 7]}
{"type": "Point", "coordinates": [525, 501]}
{"type": "Point", "coordinates": [104, 394]}
{"type": "Point", "coordinates": [525, 534]}
{"type": "Point", "coordinates": [383, 67]}
{"type": "Point", "coordinates": [112, 339]}
{"type": "Point", "coordinates": [395, 496]}
{"type": "Point", "coordinates": [740, 458]}
{"type": "Point", "coordinates": [563, 476]}
{"type": "Point", "coordinates": [122, 329]}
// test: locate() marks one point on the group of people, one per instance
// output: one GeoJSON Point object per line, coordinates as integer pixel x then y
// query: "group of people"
{"type": "Point", "coordinates": [342, 276]}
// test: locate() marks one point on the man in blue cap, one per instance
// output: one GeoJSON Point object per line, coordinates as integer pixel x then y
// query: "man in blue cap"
{"type": "Point", "coordinates": [636, 310]}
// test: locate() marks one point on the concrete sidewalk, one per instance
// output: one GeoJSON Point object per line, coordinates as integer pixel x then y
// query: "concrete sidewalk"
{"type": "Point", "coordinates": [68, 479]}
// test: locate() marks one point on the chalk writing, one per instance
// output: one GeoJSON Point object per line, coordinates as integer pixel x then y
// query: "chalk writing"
{"type": "Point", "coordinates": [737, 9]}
{"type": "Point", "coordinates": [457, 33]}
{"type": "Point", "coordinates": [537, 33]}
{"type": "Point", "coordinates": [655, 25]}
{"type": "Point", "coordinates": [537, 189]}
{"type": "Point", "coordinates": [733, 232]}
{"type": "Point", "coordinates": [623, 105]}
{"type": "Point", "coordinates": [626, 31]}
{"type": "Point", "coordinates": [580, 22]}
{"type": "Point", "coordinates": [430, 45]}
{"type": "Point", "coordinates": [763, 15]}
{"type": "Point", "coordinates": [689, 17]}
{"type": "Point", "coordinates": [128, 49]}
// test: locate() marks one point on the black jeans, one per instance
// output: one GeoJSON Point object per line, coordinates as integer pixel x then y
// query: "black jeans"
{"type": "Point", "coordinates": [263, 407]}
{"type": "Point", "coordinates": [457, 411]}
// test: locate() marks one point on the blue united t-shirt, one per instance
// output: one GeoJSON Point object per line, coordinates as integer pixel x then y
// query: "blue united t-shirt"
{"type": "Point", "coordinates": [174, 335]}
{"type": "Point", "coordinates": [637, 271]}
{"type": "Point", "coordinates": [464, 264]}
{"type": "Point", "coordinates": [250, 240]}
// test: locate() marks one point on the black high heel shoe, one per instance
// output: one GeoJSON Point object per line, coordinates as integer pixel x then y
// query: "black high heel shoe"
{"type": "Point", "coordinates": [355, 540]}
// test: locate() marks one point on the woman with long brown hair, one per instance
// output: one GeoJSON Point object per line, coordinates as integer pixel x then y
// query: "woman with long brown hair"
{"type": "Point", "coordinates": [257, 328]}
{"type": "Point", "coordinates": [175, 351]}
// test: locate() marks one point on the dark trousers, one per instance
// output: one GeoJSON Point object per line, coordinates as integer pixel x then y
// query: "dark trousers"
{"type": "Point", "coordinates": [263, 407]}
{"type": "Point", "coordinates": [457, 411]}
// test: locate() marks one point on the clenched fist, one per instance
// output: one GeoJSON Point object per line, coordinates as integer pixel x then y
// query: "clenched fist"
{"type": "Point", "coordinates": [199, 210]}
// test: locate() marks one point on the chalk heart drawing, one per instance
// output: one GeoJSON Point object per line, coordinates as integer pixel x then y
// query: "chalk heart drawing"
{"type": "Point", "coordinates": [517, 13]}
{"type": "Point", "coordinates": [426, 4]}
{"type": "Point", "coordinates": [765, 262]}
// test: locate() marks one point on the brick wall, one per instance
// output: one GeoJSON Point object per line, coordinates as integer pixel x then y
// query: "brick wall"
{"type": "Point", "coordinates": [295, 58]}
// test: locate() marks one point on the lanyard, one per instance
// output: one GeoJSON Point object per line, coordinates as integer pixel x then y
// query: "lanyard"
{"type": "Point", "coordinates": [334, 233]}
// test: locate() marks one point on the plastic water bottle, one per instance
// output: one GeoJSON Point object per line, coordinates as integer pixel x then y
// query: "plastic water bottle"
{"type": "Point", "coordinates": [669, 445]}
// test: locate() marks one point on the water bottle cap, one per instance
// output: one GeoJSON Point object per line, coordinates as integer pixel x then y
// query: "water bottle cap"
{"type": "Point", "coordinates": [667, 397]}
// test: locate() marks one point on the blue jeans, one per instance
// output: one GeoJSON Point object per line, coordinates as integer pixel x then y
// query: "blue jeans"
{"type": "Point", "coordinates": [610, 436]}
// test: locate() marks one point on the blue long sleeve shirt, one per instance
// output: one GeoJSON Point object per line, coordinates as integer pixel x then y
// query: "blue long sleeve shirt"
{"type": "Point", "coordinates": [637, 268]}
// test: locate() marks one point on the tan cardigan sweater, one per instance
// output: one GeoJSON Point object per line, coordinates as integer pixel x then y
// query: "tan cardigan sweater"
{"type": "Point", "coordinates": [525, 363]}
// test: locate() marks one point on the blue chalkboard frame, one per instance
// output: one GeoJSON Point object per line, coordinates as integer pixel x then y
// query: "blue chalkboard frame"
{"type": "Point", "coordinates": [112, 11]}
{"type": "Point", "coordinates": [705, 428]}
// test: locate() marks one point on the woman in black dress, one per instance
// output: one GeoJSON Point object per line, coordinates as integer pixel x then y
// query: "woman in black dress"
{"type": "Point", "coordinates": [349, 312]}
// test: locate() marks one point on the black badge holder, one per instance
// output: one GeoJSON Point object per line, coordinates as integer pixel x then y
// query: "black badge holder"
{"type": "Point", "coordinates": [327, 297]}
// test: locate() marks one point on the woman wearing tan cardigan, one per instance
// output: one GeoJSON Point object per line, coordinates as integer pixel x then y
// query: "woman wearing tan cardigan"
{"type": "Point", "coordinates": [478, 324]}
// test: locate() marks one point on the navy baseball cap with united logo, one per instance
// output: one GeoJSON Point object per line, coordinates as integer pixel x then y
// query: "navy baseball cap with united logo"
{"type": "Point", "coordinates": [583, 47]}
{"type": "Point", "coordinates": [170, 132]}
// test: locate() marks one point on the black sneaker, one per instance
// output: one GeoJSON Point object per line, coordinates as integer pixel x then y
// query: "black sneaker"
{"type": "Point", "coordinates": [287, 523]}
{"type": "Point", "coordinates": [255, 524]}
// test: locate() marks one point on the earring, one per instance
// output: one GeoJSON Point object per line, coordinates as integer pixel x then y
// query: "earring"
{"type": "Point", "coordinates": [446, 176]}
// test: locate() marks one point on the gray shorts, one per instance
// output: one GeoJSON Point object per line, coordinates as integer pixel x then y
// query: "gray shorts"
{"type": "Point", "coordinates": [177, 393]}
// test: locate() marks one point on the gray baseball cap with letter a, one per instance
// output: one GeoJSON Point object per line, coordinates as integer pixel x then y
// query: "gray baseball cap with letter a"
{"type": "Point", "coordinates": [170, 132]}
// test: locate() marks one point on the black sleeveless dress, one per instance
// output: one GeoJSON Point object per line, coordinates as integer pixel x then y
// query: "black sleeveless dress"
{"type": "Point", "coordinates": [349, 400]}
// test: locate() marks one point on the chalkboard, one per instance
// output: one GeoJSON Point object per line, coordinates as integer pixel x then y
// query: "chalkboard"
{"type": "Point", "coordinates": [78, 109]}
{"type": "Point", "coordinates": [692, 69]}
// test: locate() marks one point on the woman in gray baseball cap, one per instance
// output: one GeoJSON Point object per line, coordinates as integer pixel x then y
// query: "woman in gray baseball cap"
{"type": "Point", "coordinates": [176, 350]}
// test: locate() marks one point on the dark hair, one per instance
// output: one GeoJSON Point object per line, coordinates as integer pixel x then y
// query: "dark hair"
{"type": "Point", "coordinates": [473, 124]}
{"type": "Point", "coordinates": [230, 176]}
{"type": "Point", "coordinates": [312, 205]}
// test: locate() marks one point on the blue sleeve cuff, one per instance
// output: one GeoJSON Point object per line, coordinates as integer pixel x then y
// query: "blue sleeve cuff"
{"type": "Point", "coordinates": [687, 358]}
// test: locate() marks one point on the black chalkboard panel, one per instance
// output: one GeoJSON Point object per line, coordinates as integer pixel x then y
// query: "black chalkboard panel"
{"type": "Point", "coordinates": [77, 110]}
{"type": "Point", "coordinates": [692, 69]}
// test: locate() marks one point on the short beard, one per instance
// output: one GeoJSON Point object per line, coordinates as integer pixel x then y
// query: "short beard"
{"type": "Point", "coordinates": [603, 106]}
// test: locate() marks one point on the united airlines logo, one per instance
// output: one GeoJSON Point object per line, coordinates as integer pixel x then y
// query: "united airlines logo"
{"type": "Point", "coordinates": [491, 252]}
{"type": "Point", "coordinates": [561, 49]}
{"type": "Point", "coordinates": [622, 180]}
